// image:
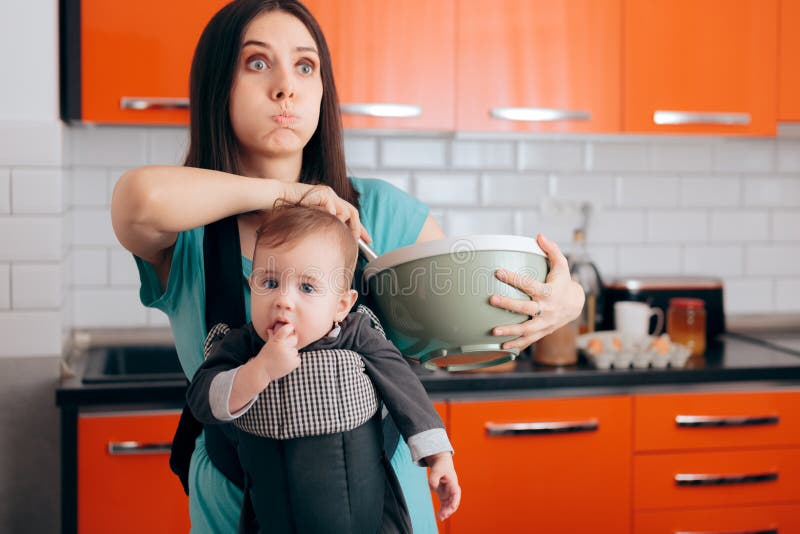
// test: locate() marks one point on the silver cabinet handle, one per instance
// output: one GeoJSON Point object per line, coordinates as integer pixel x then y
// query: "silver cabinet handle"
{"type": "Point", "coordinates": [382, 110]}
{"type": "Point", "coordinates": [544, 427]}
{"type": "Point", "coordinates": [539, 114]}
{"type": "Point", "coordinates": [700, 117]}
{"type": "Point", "coordinates": [119, 448]}
{"type": "Point", "coordinates": [686, 479]}
{"type": "Point", "coordinates": [736, 420]}
{"type": "Point", "coordinates": [145, 102]}
{"type": "Point", "coordinates": [759, 531]}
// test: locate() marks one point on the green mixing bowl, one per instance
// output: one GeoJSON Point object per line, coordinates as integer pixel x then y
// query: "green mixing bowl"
{"type": "Point", "coordinates": [433, 297]}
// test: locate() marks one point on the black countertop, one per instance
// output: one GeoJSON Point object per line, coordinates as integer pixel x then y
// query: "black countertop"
{"type": "Point", "coordinates": [734, 358]}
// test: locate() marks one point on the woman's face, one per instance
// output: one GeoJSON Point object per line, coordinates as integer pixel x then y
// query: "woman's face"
{"type": "Point", "coordinates": [277, 87]}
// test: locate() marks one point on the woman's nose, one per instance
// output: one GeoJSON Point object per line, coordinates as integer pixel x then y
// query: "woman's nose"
{"type": "Point", "coordinates": [282, 86]}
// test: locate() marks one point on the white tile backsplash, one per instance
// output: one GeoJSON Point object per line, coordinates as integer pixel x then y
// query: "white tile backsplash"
{"type": "Point", "coordinates": [713, 260]}
{"type": "Point", "coordinates": [766, 192]}
{"type": "Point", "coordinates": [361, 152]}
{"type": "Point", "coordinates": [30, 333]}
{"type": "Point", "coordinates": [787, 295]}
{"type": "Point", "coordinates": [89, 187]}
{"type": "Point", "coordinates": [739, 226]}
{"type": "Point", "coordinates": [36, 191]}
{"type": "Point", "coordinates": [785, 225]}
{"type": "Point", "coordinates": [108, 307]}
{"type": "Point", "coordinates": [5, 286]}
{"type": "Point", "coordinates": [36, 286]}
{"type": "Point", "coordinates": [677, 226]}
{"type": "Point", "coordinates": [438, 189]}
{"type": "Point", "coordinates": [744, 155]}
{"type": "Point", "coordinates": [26, 143]}
{"type": "Point", "coordinates": [93, 227]}
{"type": "Point", "coordinates": [551, 156]}
{"type": "Point", "coordinates": [649, 259]}
{"type": "Point", "coordinates": [484, 221]}
{"type": "Point", "coordinates": [789, 156]}
{"type": "Point", "coordinates": [28, 238]}
{"type": "Point", "coordinates": [90, 266]}
{"type": "Point", "coordinates": [597, 189]}
{"type": "Point", "coordinates": [773, 260]}
{"type": "Point", "coordinates": [123, 268]}
{"type": "Point", "coordinates": [405, 153]}
{"type": "Point", "coordinates": [648, 191]}
{"type": "Point", "coordinates": [514, 190]}
{"type": "Point", "coordinates": [623, 227]}
{"type": "Point", "coordinates": [709, 192]}
{"type": "Point", "coordinates": [484, 155]}
{"type": "Point", "coordinates": [687, 157]}
{"type": "Point", "coordinates": [168, 145]}
{"type": "Point", "coordinates": [5, 191]}
{"type": "Point", "coordinates": [622, 156]}
{"type": "Point", "coordinates": [751, 295]}
{"type": "Point", "coordinates": [108, 146]}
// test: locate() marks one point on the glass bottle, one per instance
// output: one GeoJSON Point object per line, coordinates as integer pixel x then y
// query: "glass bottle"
{"type": "Point", "coordinates": [586, 274]}
{"type": "Point", "coordinates": [686, 323]}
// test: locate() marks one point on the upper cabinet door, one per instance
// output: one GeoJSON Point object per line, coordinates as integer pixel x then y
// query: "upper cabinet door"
{"type": "Point", "coordinates": [135, 59]}
{"type": "Point", "coordinates": [701, 66]}
{"type": "Point", "coordinates": [789, 67]}
{"type": "Point", "coordinates": [392, 60]}
{"type": "Point", "coordinates": [539, 65]}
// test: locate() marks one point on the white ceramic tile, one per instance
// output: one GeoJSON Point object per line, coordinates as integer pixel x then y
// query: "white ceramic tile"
{"type": "Point", "coordinates": [684, 156]}
{"type": "Point", "coordinates": [360, 152]}
{"type": "Point", "coordinates": [787, 295]}
{"type": "Point", "coordinates": [789, 156]}
{"type": "Point", "coordinates": [551, 156]}
{"type": "Point", "coordinates": [26, 238]}
{"type": "Point", "coordinates": [90, 267]}
{"type": "Point", "coordinates": [168, 145]}
{"type": "Point", "coordinates": [5, 191]}
{"type": "Point", "coordinates": [92, 227]}
{"type": "Point", "coordinates": [597, 189]}
{"type": "Point", "coordinates": [626, 157]}
{"type": "Point", "coordinates": [107, 146]}
{"type": "Point", "coordinates": [483, 221]}
{"type": "Point", "coordinates": [514, 190]}
{"type": "Point", "coordinates": [407, 153]}
{"type": "Point", "coordinates": [748, 295]}
{"type": "Point", "coordinates": [30, 142]}
{"type": "Point", "coordinates": [556, 227]}
{"type": "Point", "coordinates": [649, 260]}
{"type": "Point", "coordinates": [786, 225]}
{"type": "Point", "coordinates": [36, 286]}
{"type": "Point", "coordinates": [114, 174]}
{"type": "Point", "coordinates": [713, 260]}
{"type": "Point", "coordinates": [605, 259]}
{"type": "Point", "coordinates": [677, 226]}
{"type": "Point", "coordinates": [772, 260]}
{"type": "Point", "coordinates": [711, 192]}
{"type": "Point", "coordinates": [483, 154]}
{"type": "Point", "coordinates": [744, 155]}
{"type": "Point", "coordinates": [108, 307]}
{"type": "Point", "coordinates": [739, 226]}
{"type": "Point", "coordinates": [36, 191]}
{"type": "Point", "coordinates": [123, 269]}
{"type": "Point", "coordinates": [5, 286]}
{"type": "Point", "coordinates": [398, 178]}
{"type": "Point", "coordinates": [447, 189]}
{"type": "Point", "coordinates": [772, 192]}
{"type": "Point", "coordinates": [648, 191]}
{"type": "Point", "coordinates": [611, 227]}
{"type": "Point", "coordinates": [157, 318]}
{"type": "Point", "coordinates": [89, 187]}
{"type": "Point", "coordinates": [30, 333]}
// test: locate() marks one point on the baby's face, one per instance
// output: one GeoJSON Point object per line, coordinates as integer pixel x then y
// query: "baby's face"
{"type": "Point", "coordinates": [303, 284]}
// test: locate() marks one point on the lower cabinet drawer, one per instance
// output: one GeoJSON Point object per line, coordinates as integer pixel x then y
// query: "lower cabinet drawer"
{"type": "Point", "coordinates": [719, 478]}
{"type": "Point", "coordinates": [782, 519]}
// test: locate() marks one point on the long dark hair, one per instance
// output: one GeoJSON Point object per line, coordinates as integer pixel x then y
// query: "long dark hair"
{"type": "Point", "coordinates": [213, 144]}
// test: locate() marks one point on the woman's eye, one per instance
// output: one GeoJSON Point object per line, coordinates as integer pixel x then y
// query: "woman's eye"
{"type": "Point", "coordinates": [257, 64]}
{"type": "Point", "coordinates": [307, 288]}
{"type": "Point", "coordinates": [305, 68]}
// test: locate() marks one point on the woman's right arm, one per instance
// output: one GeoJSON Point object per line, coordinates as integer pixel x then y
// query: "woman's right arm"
{"type": "Point", "coordinates": [151, 205]}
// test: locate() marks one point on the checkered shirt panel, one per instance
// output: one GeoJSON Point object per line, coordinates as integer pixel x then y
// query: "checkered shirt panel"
{"type": "Point", "coordinates": [328, 393]}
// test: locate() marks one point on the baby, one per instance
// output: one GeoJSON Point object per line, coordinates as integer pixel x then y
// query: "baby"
{"type": "Point", "coordinates": [303, 383]}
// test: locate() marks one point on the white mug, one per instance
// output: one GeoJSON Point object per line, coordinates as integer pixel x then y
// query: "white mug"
{"type": "Point", "coordinates": [632, 320]}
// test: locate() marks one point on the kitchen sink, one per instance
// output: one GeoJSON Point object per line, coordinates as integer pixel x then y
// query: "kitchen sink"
{"type": "Point", "coordinates": [134, 363]}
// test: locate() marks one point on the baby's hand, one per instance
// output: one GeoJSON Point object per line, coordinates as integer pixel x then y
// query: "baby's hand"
{"type": "Point", "coordinates": [279, 355]}
{"type": "Point", "coordinates": [443, 480]}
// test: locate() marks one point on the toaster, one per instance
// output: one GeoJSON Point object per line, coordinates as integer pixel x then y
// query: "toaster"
{"type": "Point", "coordinates": [657, 291]}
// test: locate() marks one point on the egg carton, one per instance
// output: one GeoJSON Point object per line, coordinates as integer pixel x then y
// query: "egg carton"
{"type": "Point", "coordinates": [675, 357]}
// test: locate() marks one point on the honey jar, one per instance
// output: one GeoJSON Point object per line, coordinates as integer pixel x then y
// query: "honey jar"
{"type": "Point", "coordinates": [686, 323]}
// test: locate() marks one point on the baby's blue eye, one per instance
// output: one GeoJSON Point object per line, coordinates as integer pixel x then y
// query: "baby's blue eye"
{"type": "Point", "coordinates": [269, 283]}
{"type": "Point", "coordinates": [257, 64]}
{"type": "Point", "coordinates": [307, 288]}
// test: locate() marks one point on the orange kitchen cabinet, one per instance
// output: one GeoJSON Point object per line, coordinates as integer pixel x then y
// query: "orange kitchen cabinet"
{"type": "Point", "coordinates": [529, 465]}
{"type": "Point", "coordinates": [124, 481]}
{"type": "Point", "coordinates": [783, 518]}
{"type": "Point", "coordinates": [716, 478]}
{"type": "Point", "coordinates": [700, 66]}
{"type": "Point", "coordinates": [690, 421]}
{"type": "Point", "coordinates": [789, 61]}
{"type": "Point", "coordinates": [539, 65]}
{"type": "Point", "coordinates": [392, 53]}
{"type": "Point", "coordinates": [129, 63]}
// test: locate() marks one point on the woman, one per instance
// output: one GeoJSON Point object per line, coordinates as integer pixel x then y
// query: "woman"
{"type": "Point", "coordinates": [265, 125]}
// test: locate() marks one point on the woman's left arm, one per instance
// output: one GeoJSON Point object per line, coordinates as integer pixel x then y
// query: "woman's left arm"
{"type": "Point", "coordinates": [552, 304]}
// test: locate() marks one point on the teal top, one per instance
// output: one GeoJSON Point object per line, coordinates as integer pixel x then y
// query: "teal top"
{"type": "Point", "coordinates": [393, 219]}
